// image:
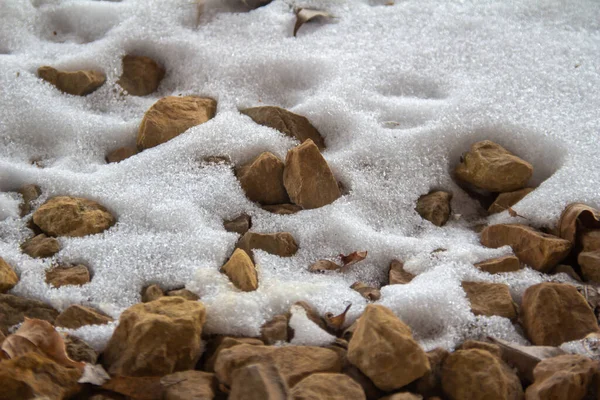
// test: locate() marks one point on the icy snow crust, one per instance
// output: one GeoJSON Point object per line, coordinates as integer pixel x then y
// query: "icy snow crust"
{"type": "Point", "coordinates": [398, 92]}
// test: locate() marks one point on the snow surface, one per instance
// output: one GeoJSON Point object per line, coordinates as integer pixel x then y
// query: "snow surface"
{"type": "Point", "coordinates": [398, 92]}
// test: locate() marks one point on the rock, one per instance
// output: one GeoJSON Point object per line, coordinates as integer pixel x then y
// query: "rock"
{"type": "Point", "coordinates": [170, 116]}
{"type": "Point", "coordinates": [431, 383]}
{"type": "Point", "coordinates": [61, 276]}
{"type": "Point", "coordinates": [281, 244]}
{"type": "Point", "coordinates": [500, 265]}
{"type": "Point", "coordinates": [327, 386]}
{"type": "Point", "coordinates": [241, 271]}
{"type": "Point", "coordinates": [489, 166]}
{"type": "Point", "coordinates": [590, 240]}
{"type": "Point", "coordinates": [78, 83]}
{"type": "Point", "coordinates": [221, 343]}
{"type": "Point", "coordinates": [476, 344]}
{"type": "Point", "coordinates": [156, 338]}
{"type": "Point", "coordinates": [368, 292]}
{"type": "Point", "coordinates": [536, 249]}
{"type": "Point", "coordinates": [76, 316]}
{"type": "Point", "coordinates": [14, 309]}
{"type": "Point", "coordinates": [383, 348]}
{"type": "Point", "coordinates": [8, 277]}
{"type": "Point", "coordinates": [406, 396]}
{"type": "Point", "coordinates": [554, 313]}
{"type": "Point", "coordinates": [564, 377]}
{"type": "Point", "coordinates": [189, 385]}
{"type": "Point", "coordinates": [478, 374]}
{"type": "Point", "coordinates": [286, 122]}
{"type": "Point", "coordinates": [78, 350]}
{"type": "Point", "coordinates": [397, 274]}
{"type": "Point", "coordinates": [589, 261]}
{"type": "Point", "coordinates": [262, 179]}
{"type": "Point", "coordinates": [72, 216]}
{"type": "Point", "coordinates": [141, 75]}
{"type": "Point", "coordinates": [506, 200]}
{"type": "Point", "coordinates": [490, 299]}
{"type": "Point", "coordinates": [239, 224]}
{"type": "Point", "coordinates": [307, 178]}
{"type": "Point", "coordinates": [567, 269]}
{"type": "Point", "coordinates": [120, 154]}
{"type": "Point", "coordinates": [282, 209]}
{"type": "Point", "coordinates": [186, 294]}
{"type": "Point", "coordinates": [30, 193]}
{"type": "Point", "coordinates": [435, 207]}
{"type": "Point", "coordinates": [275, 330]}
{"type": "Point", "coordinates": [41, 246]}
{"type": "Point", "coordinates": [258, 382]}
{"type": "Point", "coordinates": [151, 293]}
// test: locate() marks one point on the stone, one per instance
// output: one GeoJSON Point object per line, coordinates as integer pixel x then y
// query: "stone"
{"type": "Point", "coordinates": [477, 344]}
{"type": "Point", "coordinates": [536, 249]}
{"type": "Point", "coordinates": [141, 75]}
{"type": "Point", "coordinates": [398, 275]}
{"type": "Point", "coordinates": [29, 193]}
{"type": "Point", "coordinates": [405, 396]}
{"type": "Point", "coordinates": [239, 224]}
{"type": "Point", "coordinates": [262, 180]}
{"type": "Point", "coordinates": [8, 276]}
{"type": "Point", "coordinates": [478, 374]}
{"type": "Point", "coordinates": [307, 177]}
{"type": "Point", "coordinates": [430, 384]}
{"type": "Point", "coordinates": [78, 350]}
{"type": "Point", "coordinates": [554, 313]}
{"type": "Point", "coordinates": [506, 200]}
{"type": "Point", "coordinates": [73, 275]}
{"type": "Point", "coordinates": [489, 166]}
{"type": "Point", "coordinates": [78, 83]}
{"type": "Point", "coordinates": [368, 292]}
{"type": "Point", "coordinates": [286, 122]}
{"type": "Point", "coordinates": [490, 299]}
{"type": "Point", "coordinates": [282, 209]}
{"type": "Point", "coordinates": [189, 385]}
{"type": "Point", "coordinates": [241, 271]}
{"type": "Point", "coordinates": [121, 154]}
{"type": "Point", "coordinates": [41, 246]}
{"type": "Point", "coordinates": [72, 216]}
{"type": "Point", "coordinates": [281, 244]}
{"type": "Point", "coordinates": [589, 261]}
{"type": "Point", "coordinates": [567, 269]}
{"type": "Point", "coordinates": [275, 330]}
{"type": "Point", "coordinates": [76, 316]}
{"type": "Point", "coordinates": [590, 240]}
{"type": "Point", "coordinates": [14, 309]}
{"type": "Point", "coordinates": [221, 343]}
{"type": "Point", "coordinates": [569, 376]}
{"type": "Point", "coordinates": [151, 293]}
{"type": "Point", "coordinates": [435, 207]}
{"type": "Point", "coordinates": [500, 265]}
{"type": "Point", "coordinates": [186, 294]}
{"type": "Point", "coordinates": [170, 116]}
{"type": "Point", "coordinates": [156, 338]}
{"type": "Point", "coordinates": [258, 382]}
{"type": "Point", "coordinates": [383, 348]}
{"type": "Point", "coordinates": [327, 386]}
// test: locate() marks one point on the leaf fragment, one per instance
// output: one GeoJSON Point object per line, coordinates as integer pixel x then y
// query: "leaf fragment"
{"type": "Point", "coordinates": [304, 15]}
{"type": "Point", "coordinates": [576, 216]}
{"type": "Point", "coordinates": [94, 374]}
{"type": "Point", "coordinates": [324, 265]}
{"type": "Point", "coordinates": [335, 322]}
{"type": "Point", "coordinates": [353, 258]}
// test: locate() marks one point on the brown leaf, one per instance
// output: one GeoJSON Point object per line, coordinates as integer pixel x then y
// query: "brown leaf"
{"type": "Point", "coordinates": [353, 258]}
{"type": "Point", "coordinates": [514, 214]}
{"type": "Point", "coordinates": [324, 265]}
{"type": "Point", "coordinates": [304, 15]}
{"type": "Point", "coordinates": [368, 292]}
{"type": "Point", "coordinates": [576, 216]}
{"type": "Point", "coordinates": [138, 388]}
{"type": "Point", "coordinates": [336, 322]}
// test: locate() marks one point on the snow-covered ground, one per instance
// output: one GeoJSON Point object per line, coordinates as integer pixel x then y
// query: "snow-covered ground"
{"type": "Point", "coordinates": [397, 91]}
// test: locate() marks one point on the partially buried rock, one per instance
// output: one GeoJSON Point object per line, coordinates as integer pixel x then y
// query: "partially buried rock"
{"type": "Point", "coordinates": [30, 193]}
{"type": "Point", "coordinates": [397, 273]}
{"type": "Point", "coordinates": [258, 382]}
{"type": "Point", "coordinates": [435, 207]}
{"type": "Point", "coordinates": [262, 180]}
{"type": "Point", "coordinates": [14, 309]}
{"type": "Point", "coordinates": [406, 396]}
{"type": "Point", "coordinates": [506, 200]}
{"type": "Point", "coordinates": [141, 75]}
{"type": "Point", "coordinates": [490, 299]}
{"type": "Point", "coordinates": [78, 350]}
{"type": "Point", "coordinates": [220, 343]}
{"type": "Point", "coordinates": [78, 83]}
{"type": "Point", "coordinates": [328, 386]}
{"type": "Point", "coordinates": [590, 240]}
{"type": "Point", "coordinates": [276, 330]}
{"type": "Point", "coordinates": [186, 294]}
{"type": "Point", "coordinates": [8, 277]}
{"type": "Point", "coordinates": [189, 385]}
{"type": "Point", "coordinates": [76, 316]}
{"type": "Point", "coordinates": [368, 292]}
{"type": "Point", "coordinates": [151, 293]}
{"type": "Point", "coordinates": [41, 246]}
{"type": "Point", "coordinates": [241, 271]}
{"type": "Point", "coordinates": [281, 244]}
{"type": "Point", "coordinates": [477, 344]}
{"type": "Point", "coordinates": [589, 261]}
{"type": "Point", "coordinates": [239, 224]}
{"type": "Point", "coordinates": [120, 154]}
{"type": "Point", "coordinates": [307, 177]}
{"type": "Point", "coordinates": [282, 209]}
{"type": "Point", "coordinates": [567, 269]}
{"type": "Point", "coordinates": [72, 275]}
{"type": "Point", "coordinates": [500, 265]}
{"type": "Point", "coordinates": [170, 116]}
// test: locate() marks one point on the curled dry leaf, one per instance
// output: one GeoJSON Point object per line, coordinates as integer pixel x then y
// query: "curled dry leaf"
{"type": "Point", "coordinates": [514, 214]}
{"type": "Point", "coordinates": [304, 15]}
{"type": "Point", "coordinates": [368, 292]}
{"type": "Point", "coordinates": [137, 388]}
{"type": "Point", "coordinates": [336, 322]}
{"type": "Point", "coordinates": [575, 216]}
{"type": "Point", "coordinates": [353, 258]}
{"type": "Point", "coordinates": [324, 265]}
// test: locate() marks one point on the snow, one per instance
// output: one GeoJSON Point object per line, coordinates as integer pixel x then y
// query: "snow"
{"type": "Point", "coordinates": [398, 92]}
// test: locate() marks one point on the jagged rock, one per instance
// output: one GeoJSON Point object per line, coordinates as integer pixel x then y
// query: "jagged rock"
{"type": "Point", "coordinates": [76, 316]}
{"type": "Point", "coordinates": [258, 382]}
{"type": "Point", "coordinates": [41, 246]}
{"type": "Point", "coordinates": [328, 386]}
{"type": "Point", "coordinates": [239, 224]}
{"type": "Point", "coordinates": [589, 261]}
{"type": "Point", "coordinates": [477, 344]}
{"type": "Point", "coordinates": [221, 343]}
{"type": "Point", "coordinates": [490, 299]}
{"type": "Point", "coordinates": [186, 294]}
{"type": "Point", "coordinates": [307, 177]}
{"type": "Point", "coordinates": [120, 154]}
{"type": "Point", "coordinates": [281, 244]}
{"type": "Point", "coordinates": [156, 338]}
{"type": "Point", "coordinates": [590, 240]}
{"type": "Point", "coordinates": [509, 199]}
{"type": "Point", "coordinates": [368, 292]}
{"type": "Point", "coordinates": [141, 75]}
{"type": "Point", "coordinates": [78, 350]}
{"type": "Point", "coordinates": [397, 274]}
{"type": "Point", "coordinates": [8, 277]}
{"type": "Point", "coordinates": [30, 193]}
{"type": "Point", "coordinates": [170, 116]}
{"type": "Point", "coordinates": [500, 265]}
{"type": "Point", "coordinates": [275, 330]}
{"type": "Point", "coordinates": [72, 216]}
{"type": "Point", "coordinates": [78, 83]}
{"type": "Point", "coordinates": [189, 385]}
{"type": "Point", "coordinates": [14, 309]}
{"type": "Point", "coordinates": [151, 293]}
{"type": "Point", "coordinates": [241, 271]}
{"type": "Point", "coordinates": [282, 209]}
{"type": "Point", "coordinates": [435, 207]}
{"type": "Point", "coordinates": [489, 166]}
{"type": "Point", "coordinates": [536, 249]}
{"type": "Point", "coordinates": [431, 383]}
{"type": "Point", "coordinates": [62, 275]}
{"type": "Point", "coordinates": [262, 180]}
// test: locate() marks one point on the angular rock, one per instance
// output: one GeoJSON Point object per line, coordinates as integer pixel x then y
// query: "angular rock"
{"type": "Point", "coordinates": [435, 207]}
{"type": "Point", "coordinates": [151, 293]}
{"type": "Point", "coordinates": [506, 200]}
{"type": "Point", "coordinates": [78, 83]}
{"type": "Point", "coordinates": [61, 276]}
{"type": "Point", "coordinates": [40, 246]}
{"type": "Point", "coordinates": [307, 177]}
{"type": "Point", "coordinates": [398, 275]}
{"type": "Point", "coordinates": [282, 209]}
{"type": "Point", "coordinates": [76, 316]}
{"type": "Point", "coordinates": [14, 309]}
{"type": "Point", "coordinates": [72, 216]}
{"type": "Point", "coordinates": [281, 244]}
{"type": "Point", "coordinates": [221, 343]}
{"type": "Point", "coordinates": [383, 348]}
{"type": "Point", "coordinates": [589, 261]}
{"type": "Point", "coordinates": [500, 265]}
{"type": "Point", "coordinates": [490, 299]}
{"type": "Point", "coordinates": [489, 166]}
{"type": "Point", "coordinates": [30, 193]}
{"type": "Point", "coordinates": [258, 382]}
{"type": "Point", "coordinates": [536, 249]}
{"type": "Point", "coordinates": [189, 385]}
{"type": "Point", "coordinates": [170, 116]}
{"type": "Point", "coordinates": [241, 271]}
{"type": "Point", "coordinates": [286, 122]}
{"type": "Point", "coordinates": [368, 292]}
{"type": "Point", "coordinates": [239, 224]}
{"type": "Point", "coordinates": [141, 75]}
{"type": "Point", "coordinates": [186, 294]}
{"type": "Point", "coordinates": [262, 180]}
{"type": "Point", "coordinates": [8, 277]}
{"type": "Point", "coordinates": [156, 338]}
{"type": "Point", "coordinates": [590, 240]}
{"type": "Point", "coordinates": [78, 350]}
{"type": "Point", "coordinates": [430, 384]}
{"type": "Point", "coordinates": [554, 313]}
{"type": "Point", "coordinates": [120, 154]}
{"type": "Point", "coordinates": [476, 344]}
{"type": "Point", "coordinates": [275, 330]}
{"type": "Point", "coordinates": [328, 386]}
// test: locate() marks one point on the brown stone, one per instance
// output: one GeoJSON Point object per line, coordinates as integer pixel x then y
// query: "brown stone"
{"type": "Point", "coordinates": [506, 200]}
{"type": "Point", "coordinates": [239, 224]}
{"type": "Point", "coordinates": [14, 309]}
{"type": "Point", "coordinates": [275, 330]}
{"type": "Point", "coordinates": [151, 293]}
{"type": "Point", "coordinates": [221, 343]}
{"type": "Point", "coordinates": [258, 382]}
{"type": "Point", "coordinates": [500, 265]}
{"type": "Point", "coordinates": [490, 299]}
{"type": "Point", "coordinates": [590, 240]}
{"type": "Point", "coordinates": [281, 244]}
{"type": "Point", "coordinates": [61, 276]}
{"type": "Point", "coordinates": [567, 269]}
{"type": "Point", "coordinates": [435, 207]}
{"type": "Point", "coordinates": [8, 277]}
{"type": "Point", "coordinates": [282, 209]}
{"type": "Point", "coordinates": [241, 271]}
{"type": "Point", "coordinates": [189, 385]}
{"type": "Point", "coordinates": [120, 154]}
{"type": "Point", "coordinates": [30, 193]}
{"type": "Point", "coordinates": [477, 344]}
{"type": "Point", "coordinates": [286, 122]}
{"type": "Point", "coordinates": [186, 294]}
{"type": "Point", "coordinates": [589, 261]}
{"type": "Point", "coordinates": [397, 274]}
{"type": "Point", "coordinates": [406, 396]}
{"type": "Point", "coordinates": [77, 316]}
{"type": "Point", "coordinates": [489, 166]}
{"type": "Point", "coordinates": [72, 216]}
{"type": "Point", "coordinates": [431, 383]}
{"type": "Point", "coordinates": [383, 348]}
{"type": "Point", "coordinates": [78, 83]}
{"type": "Point", "coordinates": [156, 338]}
{"type": "Point", "coordinates": [554, 313]}
{"type": "Point", "coordinates": [40, 246]}
{"type": "Point", "coordinates": [141, 75]}
{"type": "Point", "coordinates": [78, 350]}
{"type": "Point", "coordinates": [262, 180]}
{"type": "Point", "coordinates": [368, 292]}
{"type": "Point", "coordinates": [327, 386]}
{"type": "Point", "coordinates": [170, 116]}
{"type": "Point", "coordinates": [307, 177]}
{"type": "Point", "coordinates": [536, 249]}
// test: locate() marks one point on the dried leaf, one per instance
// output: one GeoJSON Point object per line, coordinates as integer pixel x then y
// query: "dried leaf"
{"type": "Point", "coordinates": [514, 214]}
{"type": "Point", "coordinates": [138, 388]}
{"type": "Point", "coordinates": [15, 346]}
{"type": "Point", "coordinates": [576, 216]}
{"type": "Point", "coordinates": [336, 322]}
{"type": "Point", "coordinates": [353, 258]}
{"type": "Point", "coordinates": [368, 292]}
{"type": "Point", "coordinates": [304, 15]}
{"type": "Point", "coordinates": [94, 374]}
{"type": "Point", "coordinates": [324, 265]}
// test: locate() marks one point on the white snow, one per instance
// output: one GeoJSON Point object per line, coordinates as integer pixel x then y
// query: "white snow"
{"type": "Point", "coordinates": [398, 92]}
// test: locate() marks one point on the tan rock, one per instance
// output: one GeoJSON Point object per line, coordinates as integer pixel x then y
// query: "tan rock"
{"type": "Point", "coordinates": [239, 224]}
{"type": "Point", "coordinates": [590, 240]}
{"type": "Point", "coordinates": [73, 275]}
{"type": "Point", "coordinates": [506, 200]}
{"type": "Point", "coordinates": [258, 382]}
{"type": "Point", "coordinates": [477, 344]}
{"type": "Point", "coordinates": [368, 292]}
{"type": "Point", "coordinates": [30, 193]}
{"type": "Point", "coordinates": [221, 343]}
{"type": "Point", "coordinates": [286, 122]}
{"type": "Point", "coordinates": [500, 265]}
{"type": "Point", "coordinates": [327, 386]}
{"type": "Point", "coordinates": [40, 246]}
{"type": "Point", "coordinates": [567, 269]}
{"type": "Point", "coordinates": [383, 348]}
{"type": "Point", "coordinates": [14, 309]}
{"type": "Point", "coordinates": [186, 294]}
{"type": "Point", "coordinates": [189, 385]}
{"type": "Point", "coordinates": [307, 178]}
{"type": "Point", "coordinates": [490, 166]}
{"type": "Point", "coordinates": [275, 330]}
{"type": "Point", "coordinates": [281, 244]}
{"type": "Point", "coordinates": [262, 179]}
{"type": "Point", "coordinates": [120, 154]}
{"type": "Point", "coordinates": [554, 313]}
{"type": "Point", "coordinates": [8, 277]}
{"type": "Point", "coordinates": [241, 271]}
{"type": "Point", "coordinates": [431, 383]}
{"type": "Point", "coordinates": [76, 316]}
{"type": "Point", "coordinates": [141, 75]}
{"type": "Point", "coordinates": [78, 83]}
{"type": "Point", "coordinates": [405, 396]}
{"type": "Point", "coordinates": [78, 350]}
{"type": "Point", "coordinates": [151, 293]}
{"type": "Point", "coordinates": [72, 216]}
{"type": "Point", "coordinates": [282, 209]}
{"type": "Point", "coordinates": [589, 261]}
{"type": "Point", "coordinates": [435, 207]}
{"type": "Point", "coordinates": [397, 274]}
{"type": "Point", "coordinates": [170, 116]}
{"type": "Point", "coordinates": [490, 299]}
{"type": "Point", "coordinates": [156, 338]}
{"type": "Point", "coordinates": [536, 249]}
